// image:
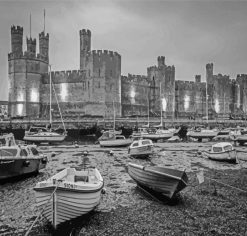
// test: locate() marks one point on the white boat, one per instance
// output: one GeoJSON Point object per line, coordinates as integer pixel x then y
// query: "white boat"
{"type": "Point", "coordinates": [19, 160]}
{"type": "Point", "coordinates": [204, 133]}
{"type": "Point", "coordinates": [69, 194]}
{"type": "Point", "coordinates": [159, 134]}
{"type": "Point", "coordinates": [223, 151]}
{"type": "Point", "coordinates": [46, 134]}
{"type": "Point", "coordinates": [43, 135]}
{"type": "Point", "coordinates": [141, 147]}
{"type": "Point", "coordinates": [7, 140]}
{"type": "Point", "coordinates": [109, 139]}
{"type": "Point", "coordinates": [160, 179]}
{"type": "Point", "coordinates": [140, 132]}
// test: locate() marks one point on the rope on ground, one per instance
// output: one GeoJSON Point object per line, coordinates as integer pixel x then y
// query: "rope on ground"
{"type": "Point", "coordinates": [227, 185]}
{"type": "Point", "coordinates": [28, 231]}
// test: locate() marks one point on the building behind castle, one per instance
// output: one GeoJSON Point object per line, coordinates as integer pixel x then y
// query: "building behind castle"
{"type": "Point", "coordinates": [98, 89]}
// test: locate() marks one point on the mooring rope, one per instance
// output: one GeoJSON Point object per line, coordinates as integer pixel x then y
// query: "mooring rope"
{"type": "Point", "coordinates": [28, 231]}
{"type": "Point", "coordinates": [227, 185]}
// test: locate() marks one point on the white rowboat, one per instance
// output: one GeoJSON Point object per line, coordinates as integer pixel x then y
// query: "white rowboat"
{"type": "Point", "coordinates": [69, 194]}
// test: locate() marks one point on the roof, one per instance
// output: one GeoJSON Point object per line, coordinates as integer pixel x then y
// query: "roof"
{"type": "Point", "coordinates": [222, 144]}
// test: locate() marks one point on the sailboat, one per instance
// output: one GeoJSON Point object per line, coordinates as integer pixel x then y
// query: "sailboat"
{"type": "Point", "coordinates": [46, 134]}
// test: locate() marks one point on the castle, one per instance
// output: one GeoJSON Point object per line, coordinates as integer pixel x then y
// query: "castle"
{"type": "Point", "coordinates": [99, 89]}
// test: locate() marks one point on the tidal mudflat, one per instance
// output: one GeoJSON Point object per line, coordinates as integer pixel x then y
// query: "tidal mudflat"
{"type": "Point", "coordinates": [210, 208]}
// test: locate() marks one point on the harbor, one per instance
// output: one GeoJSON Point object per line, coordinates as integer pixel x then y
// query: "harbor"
{"type": "Point", "coordinates": [125, 209]}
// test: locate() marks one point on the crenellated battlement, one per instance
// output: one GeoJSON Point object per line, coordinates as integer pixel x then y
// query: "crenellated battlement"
{"type": "Point", "coordinates": [85, 32]}
{"type": "Point", "coordinates": [16, 29]}
{"type": "Point", "coordinates": [68, 76]}
{"type": "Point", "coordinates": [131, 78]}
{"type": "Point", "coordinates": [43, 36]}
{"type": "Point", "coordinates": [31, 41]}
{"type": "Point", "coordinates": [101, 53]}
{"type": "Point", "coordinates": [26, 55]}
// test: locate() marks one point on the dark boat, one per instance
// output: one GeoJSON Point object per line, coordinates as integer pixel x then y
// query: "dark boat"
{"type": "Point", "coordinates": [19, 160]}
{"type": "Point", "coordinates": [160, 179]}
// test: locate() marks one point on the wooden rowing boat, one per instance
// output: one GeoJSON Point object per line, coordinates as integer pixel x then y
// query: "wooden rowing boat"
{"type": "Point", "coordinates": [69, 194]}
{"type": "Point", "coordinates": [160, 179]}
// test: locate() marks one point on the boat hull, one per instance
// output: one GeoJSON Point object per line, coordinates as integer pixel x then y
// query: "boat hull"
{"type": "Point", "coordinates": [201, 135]}
{"type": "Point", "coordinates": [115, 143]}
{"type": "Point", "coordinates": [68, 204]}
{"type": "Point", "coordinates": [44, 138]}
{"type": "Point", "coordinates": [228, 156]}
{"type": "Point", "coordinates": [141, 151]}
{"type": "Point", "coordinates": [64, 197]}
{"type": "Point", "coordinates": [156, 179]}
{"type": "Point", "coordinates": [155, 137]}
{"type": "Point", "coordinates": [10, 168]}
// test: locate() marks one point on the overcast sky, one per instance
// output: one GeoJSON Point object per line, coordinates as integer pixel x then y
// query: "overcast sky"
{"type": "Point", "coordinates": [188, 33]}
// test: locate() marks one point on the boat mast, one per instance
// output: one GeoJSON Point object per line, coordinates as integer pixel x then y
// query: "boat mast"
{"type": "Point", "coordinates": [148, 112]}
{"type": "Point", "coordinates": [113, 116]}
{"type": "Point", "coordinates": [161, 109]}
{"type": "Point", "coordinates": [50, 97]}
{"type": "Point", "coordinates": [206, 101]}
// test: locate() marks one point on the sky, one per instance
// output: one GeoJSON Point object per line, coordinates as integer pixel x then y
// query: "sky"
{"type": "Point", "coordinates": [189, 34]}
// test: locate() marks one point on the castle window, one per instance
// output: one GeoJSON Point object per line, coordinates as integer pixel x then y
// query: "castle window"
{"type": "Point", "coordinates": [99, 72]}
{"type": "Point", "coordinates": [99, 84]}
{"type": "Point", "coordinates": [88, 85]}
{"type": "Point", "coordinates": [89, 73]}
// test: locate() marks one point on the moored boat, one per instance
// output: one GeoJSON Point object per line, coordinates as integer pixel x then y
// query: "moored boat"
{"type": "Point", "coordinates": [205, 133]}
{"type": "Point", "coordinates": [223, 151]}
{"type": "Point", "coordinates": [141, 148]}
{"type": "Point", "coordinates": [158, 134]}
{"type": "Point", "coordinates": [19, 160]}
{"type": "Point", "coordinates": [160, 179]}
{"type": "Point", "coordinates": [44, 135]}
{"type": "Point", "coordinates": [109, 139]}
{"type": "Point", "coordinates": [69, 194]}
{"type": "Point", "coordinates": [7, 140]}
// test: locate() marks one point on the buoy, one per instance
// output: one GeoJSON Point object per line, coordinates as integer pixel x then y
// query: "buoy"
{"type": "Point", "coordinates": [103, 191]}
{"type": "Point", "coordinates": [111, 152]}
{"type": "Point", "coordinates": [85, 153]}
{"type": "Point", "coordinates": [53, 154]}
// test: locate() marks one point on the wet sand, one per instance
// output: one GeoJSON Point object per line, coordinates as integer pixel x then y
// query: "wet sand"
{"type": "Point", "coordinates": [124, 209]}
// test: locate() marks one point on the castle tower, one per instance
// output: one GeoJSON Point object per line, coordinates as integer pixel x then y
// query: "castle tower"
{"type": "Point", "coordinates": [161, 61]}
{"type": "Point", "coordinates": [85, 47]}
{"type": "Point", "coordinates": [44, 46]}
{"type": "Point", "coordinates": [31, 46]}
{"type": "Point", "coordinates": [16, 40]}
{"type": "Point", "coordinates": [209, 73]}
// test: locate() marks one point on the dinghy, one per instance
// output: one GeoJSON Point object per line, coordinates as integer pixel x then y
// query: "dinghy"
{"type": "Point", "coordinates": [69, 194]}
{"type": "Point", "coordinates": [19, 160]}
{"type": "Point", "coordinates": [223, 151]}
{"type": "Point", "coordinates": [160, 179]}
{"type": "Point", "coordinates": [109, 139]}
{"type": "Point", "coordinates": [141, 148]}
{"type": "Point", "coordinates": [205, 133]}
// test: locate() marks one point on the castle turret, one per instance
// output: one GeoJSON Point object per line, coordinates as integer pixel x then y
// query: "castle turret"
{"type": "Point", "coordinates": [161, 61]}
{"type": "Point", "coordinates": [85, 47]}
{"type": "Point", "coordinates": [44, 45]}
{"type": "Point", "coordinates": [209, 73]}
{"type": "Point", "coordinates": [16, 40]}
{"type": "Point", "coordinates": [31, 46]}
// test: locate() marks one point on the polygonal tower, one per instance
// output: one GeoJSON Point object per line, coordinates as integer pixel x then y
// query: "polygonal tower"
{"type": "Point", "coordinates": [209, 73]}
{"type": "Point", "coordinates": [161, 61]}
{"type": "Point", "coordinates": [25, 71]}
{"type": "Point", "coordinates": [31, 46]}
{"type": "Point", "coordinates": [16, 39]}
{"type": "Point", "coordinates": [44, 46]}
{"type": "Point", "coordinates": [85, 47]}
